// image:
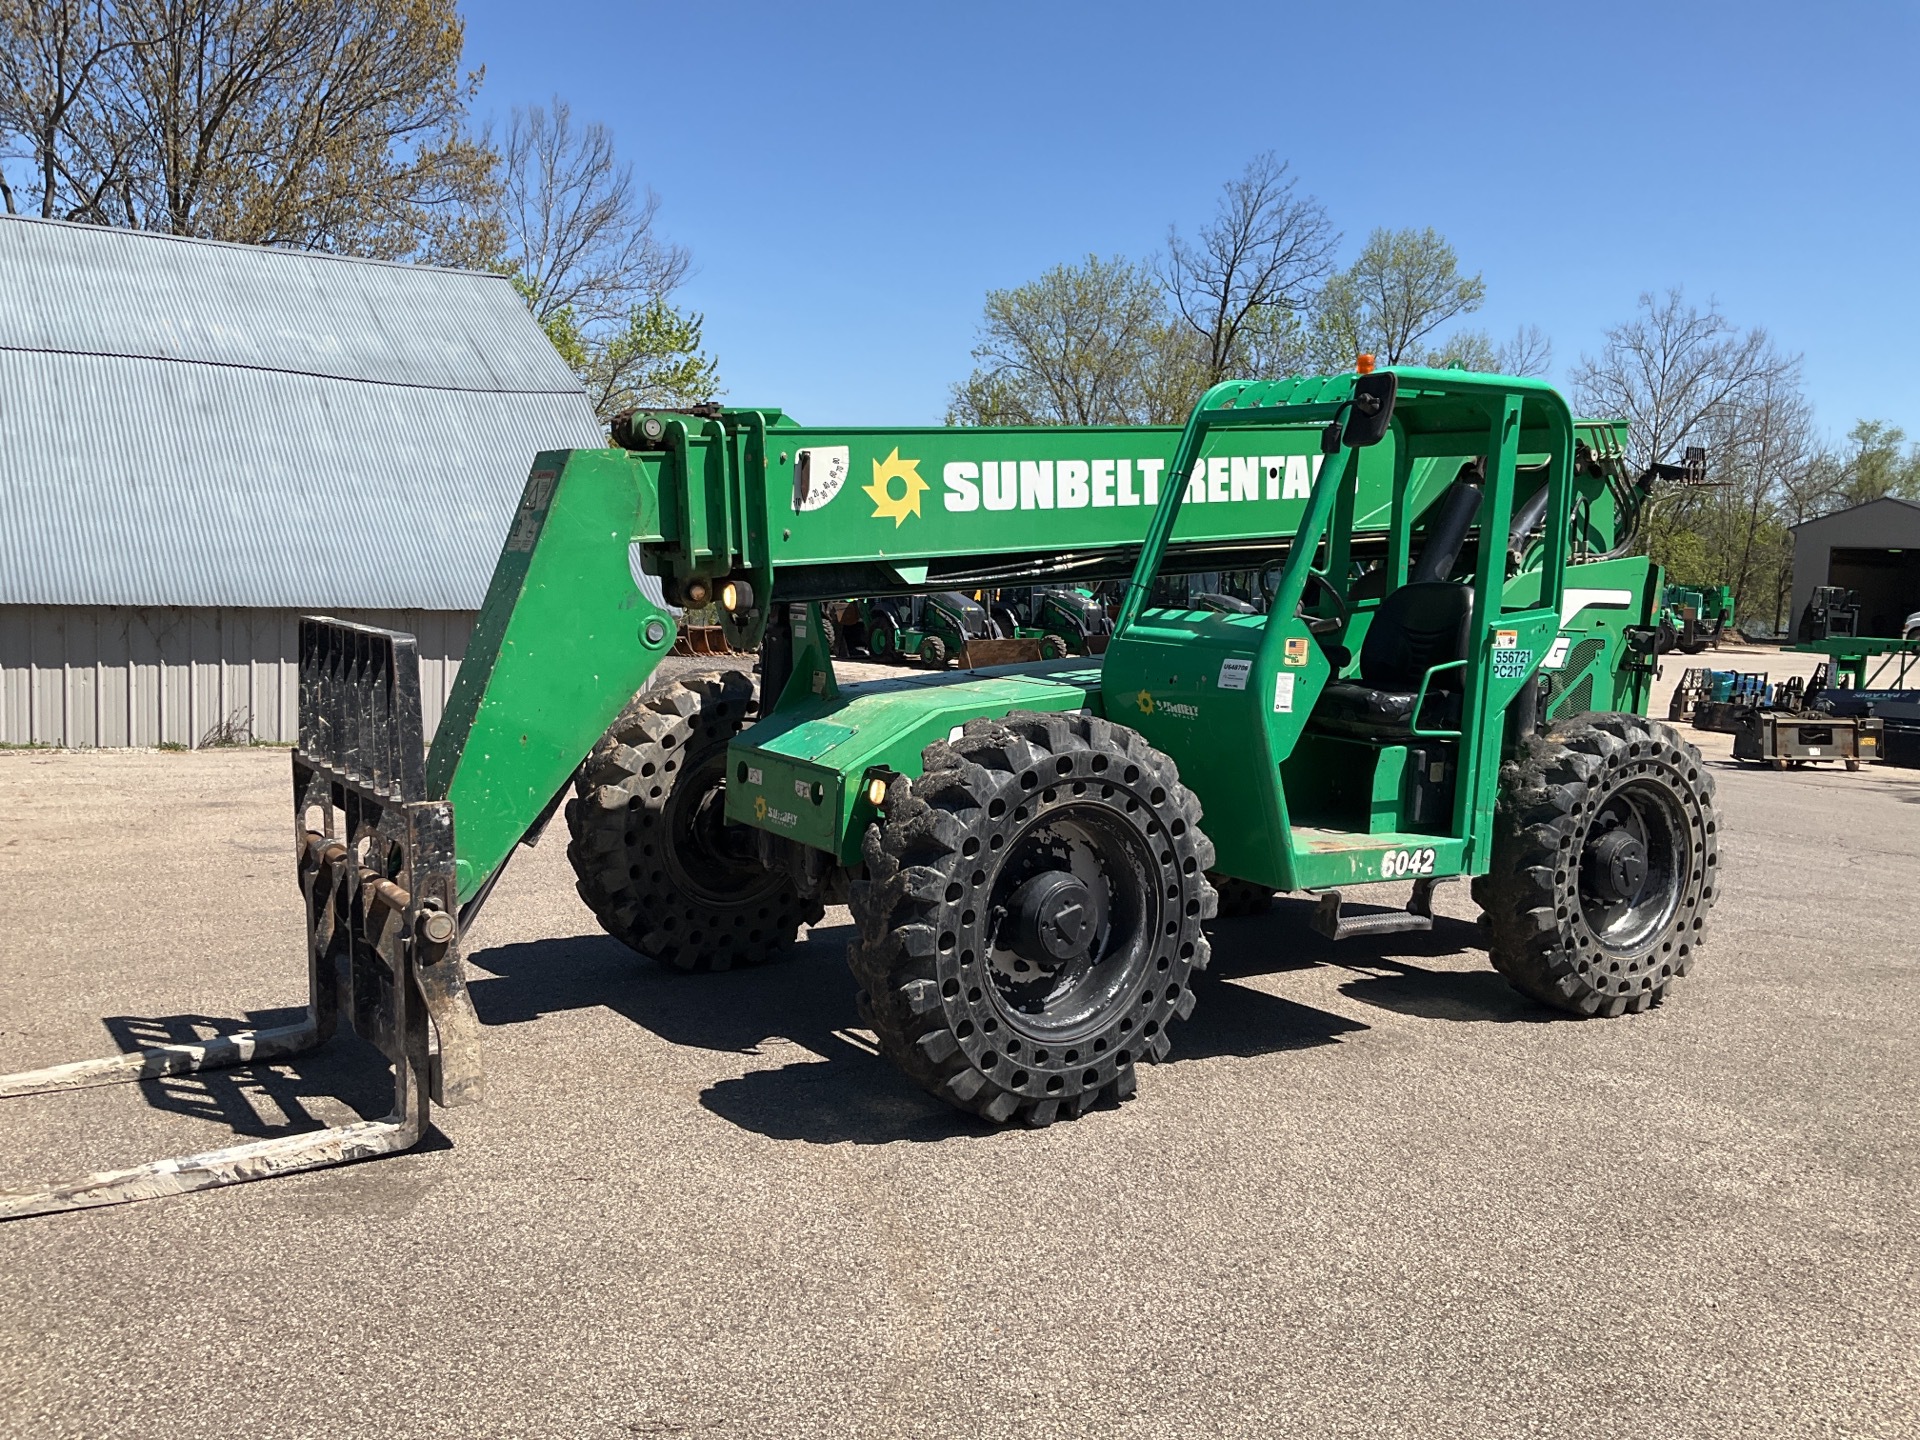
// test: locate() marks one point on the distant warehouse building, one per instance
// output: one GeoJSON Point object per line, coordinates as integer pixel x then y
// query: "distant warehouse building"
{"type": "Point", "coordinates": [201, 442]}
{"type": "Point", "coordinates": [1872, 550]}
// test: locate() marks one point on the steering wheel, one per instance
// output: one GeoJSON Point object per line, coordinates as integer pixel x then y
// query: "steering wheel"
{"type": "Point", "coordinates": [1323, 624]}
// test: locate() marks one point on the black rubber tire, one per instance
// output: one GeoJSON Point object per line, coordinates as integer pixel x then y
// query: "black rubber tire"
{"type": "Point", "coordinates": [1053, 647]}
{"type": "Point", "coordinates": [635, 819]}
{"type": "Point", "coordinates": [990, 805]}
{"type": "Point", "coordinates": [1240, 898]}
{"type": "Point", "coordinates": [933, 651]}
{"type": "Point", "coordinates": [829, 636]}
{"type": "Point", "coordinates": [1546, 931]}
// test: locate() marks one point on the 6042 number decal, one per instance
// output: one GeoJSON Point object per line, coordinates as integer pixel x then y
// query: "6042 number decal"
{"type": "Point", "coordinates": [1396, 863]}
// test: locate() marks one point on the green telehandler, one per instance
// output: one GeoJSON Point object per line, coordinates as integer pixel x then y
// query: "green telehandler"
{"type": "Point", "coordinates": [934, 629]}
{"type": "Point", "coordinates": [1442, 672]}
{"type": "Point", "coordinates": [1064, 620]}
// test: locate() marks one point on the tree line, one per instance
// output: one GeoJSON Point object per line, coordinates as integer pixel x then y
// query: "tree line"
{"type": "Point", "coordinates": [345, 126]}
{"type": "Point", "coordinates": [1256, 291]}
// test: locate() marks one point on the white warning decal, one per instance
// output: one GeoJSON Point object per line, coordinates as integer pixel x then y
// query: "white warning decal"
{"type": "Point", "coordinates": [818, 474]}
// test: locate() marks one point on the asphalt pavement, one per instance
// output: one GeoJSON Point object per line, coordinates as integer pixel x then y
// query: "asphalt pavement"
{"type": "Point", "coordinates": [1373, 1193]}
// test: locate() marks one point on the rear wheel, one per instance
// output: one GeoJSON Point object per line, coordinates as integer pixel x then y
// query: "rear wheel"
{"type": "Point", "coordinates": [1032, 915]}
{"type": "Point", "coordinates": [1605, 864]}
{"type": "Point", "coordinates": [655, 858]}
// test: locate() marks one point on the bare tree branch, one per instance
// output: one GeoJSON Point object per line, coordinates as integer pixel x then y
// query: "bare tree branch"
{"type": "Point", "coordinates": [578, 232]}
{"type": "Point", "coordinates": [1265, 251]}
{"type": "Point", "coordinates": [1668, 370]}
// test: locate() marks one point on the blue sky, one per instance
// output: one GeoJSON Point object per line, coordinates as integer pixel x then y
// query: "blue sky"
{"type": "Point", "coordinates": [853, 178]}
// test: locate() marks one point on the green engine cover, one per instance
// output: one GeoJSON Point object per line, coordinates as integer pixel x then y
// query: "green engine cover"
{"type": "Point", "coordinates": [801, 773]}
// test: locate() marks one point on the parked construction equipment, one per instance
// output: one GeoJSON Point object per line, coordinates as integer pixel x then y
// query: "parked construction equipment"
{"type": "Point", "coordinates": [1027, 853]}
{"type": "Point", "coordinates": [1065, 620]}
{"type": "Point", "coordinates": [936, 630]}
{"type": "Point", "coordinates": [1766, 737]}
{"type": "Point", "coordinates": [1692, 617]}
{"type": "Point", "coordinates": [1832, 613]}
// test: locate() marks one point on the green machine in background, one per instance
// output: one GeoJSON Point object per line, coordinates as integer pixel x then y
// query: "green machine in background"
{"type": "Point", "coordinates": [1692, 617]}
{"type": "Point", "coordinates": [934, 629]}
{"type": "Point", "coordinates": [1436, 667]}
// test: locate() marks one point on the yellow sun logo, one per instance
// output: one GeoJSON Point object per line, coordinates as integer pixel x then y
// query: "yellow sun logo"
{"type": "Point", "coordinates": [1145, 701]}
{"type": "Point", "coordinates": [887, 505]}
{"type": "Point", "coordinates": [759, 807]}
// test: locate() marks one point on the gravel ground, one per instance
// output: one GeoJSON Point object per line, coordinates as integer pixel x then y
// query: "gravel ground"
{"type": "Point", "coordinates": [1373, 1193]}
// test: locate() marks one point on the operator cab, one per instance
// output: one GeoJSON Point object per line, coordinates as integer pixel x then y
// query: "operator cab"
{"type": "Point", "coordinates": [1418, 640]}
{"type": "Point", "coordinates": [1356, 701]}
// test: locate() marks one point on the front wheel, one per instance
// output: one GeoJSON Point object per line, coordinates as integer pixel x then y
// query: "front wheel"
{"type": "Point", "coordinates": [1605, 863]}
{"type": "Point", "coordinates": [1031, 921]}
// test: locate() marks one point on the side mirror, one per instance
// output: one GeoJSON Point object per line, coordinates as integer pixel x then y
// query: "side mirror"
{"type": "Point", "coordinates": [1372, 413]}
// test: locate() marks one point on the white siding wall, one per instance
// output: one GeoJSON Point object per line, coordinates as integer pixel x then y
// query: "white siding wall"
{"type": "Point", "coordinates": [119, 675]}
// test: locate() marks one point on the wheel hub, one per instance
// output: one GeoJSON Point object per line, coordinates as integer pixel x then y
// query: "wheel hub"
{"type": "Point", "coordinates": [1052, 919]}
{"type": "Point", "coordinates": [1616, 866]}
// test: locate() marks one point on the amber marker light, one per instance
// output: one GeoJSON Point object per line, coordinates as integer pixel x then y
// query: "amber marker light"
{"type": "Point", "coordinates": [1363, 364]}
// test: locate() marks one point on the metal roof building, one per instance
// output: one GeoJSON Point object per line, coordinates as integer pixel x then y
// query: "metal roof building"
{"type": "Point", "coordinates": [1872, 550]}
{"type": "Point", "coordinates": [200, 441]}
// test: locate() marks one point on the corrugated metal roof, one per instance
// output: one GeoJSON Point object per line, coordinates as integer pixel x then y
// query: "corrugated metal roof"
{"type": "Point", "coordinates": [1864, 504]}
{"type": "Point", "coordinates": [190, 423]}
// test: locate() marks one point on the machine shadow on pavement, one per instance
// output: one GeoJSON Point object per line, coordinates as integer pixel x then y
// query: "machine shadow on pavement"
{"type": "Point", "coordinates": [1387, 972]}
{"type": "Point", "coordinates": [843, 1092]}
{"type": "Point", "coordinates": [262, 1101]}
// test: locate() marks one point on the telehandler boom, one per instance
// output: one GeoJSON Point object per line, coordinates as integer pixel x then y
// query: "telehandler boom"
{"type": "Point", "coordinates": [1443, 674]}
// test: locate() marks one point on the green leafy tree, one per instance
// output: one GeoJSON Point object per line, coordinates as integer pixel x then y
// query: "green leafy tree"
{"type": "Point", "coordinates": [1528, 352]}
{"type": "Point", "coordinates": [1390, 302]}
{"type": "Point", "coordinates": [1880, 464]}
{"type": "Point", "coordinates": [654, 360]}
{"type": "Point", "coordinates": [337, 125]}
{"type": "Point", "coordinates": [1086, 344]}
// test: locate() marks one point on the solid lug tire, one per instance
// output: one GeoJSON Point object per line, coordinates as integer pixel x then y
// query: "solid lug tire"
{"type": "Point", "coordinates": [619, 809]}
{"type": "Point", "coordinates": [911, 940]}
{"type": "Point", "coordinates": [1529, 896]}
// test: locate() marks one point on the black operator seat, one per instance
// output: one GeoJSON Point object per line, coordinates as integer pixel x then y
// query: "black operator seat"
{"type": "Point", "coordinates": [1426, 622]}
